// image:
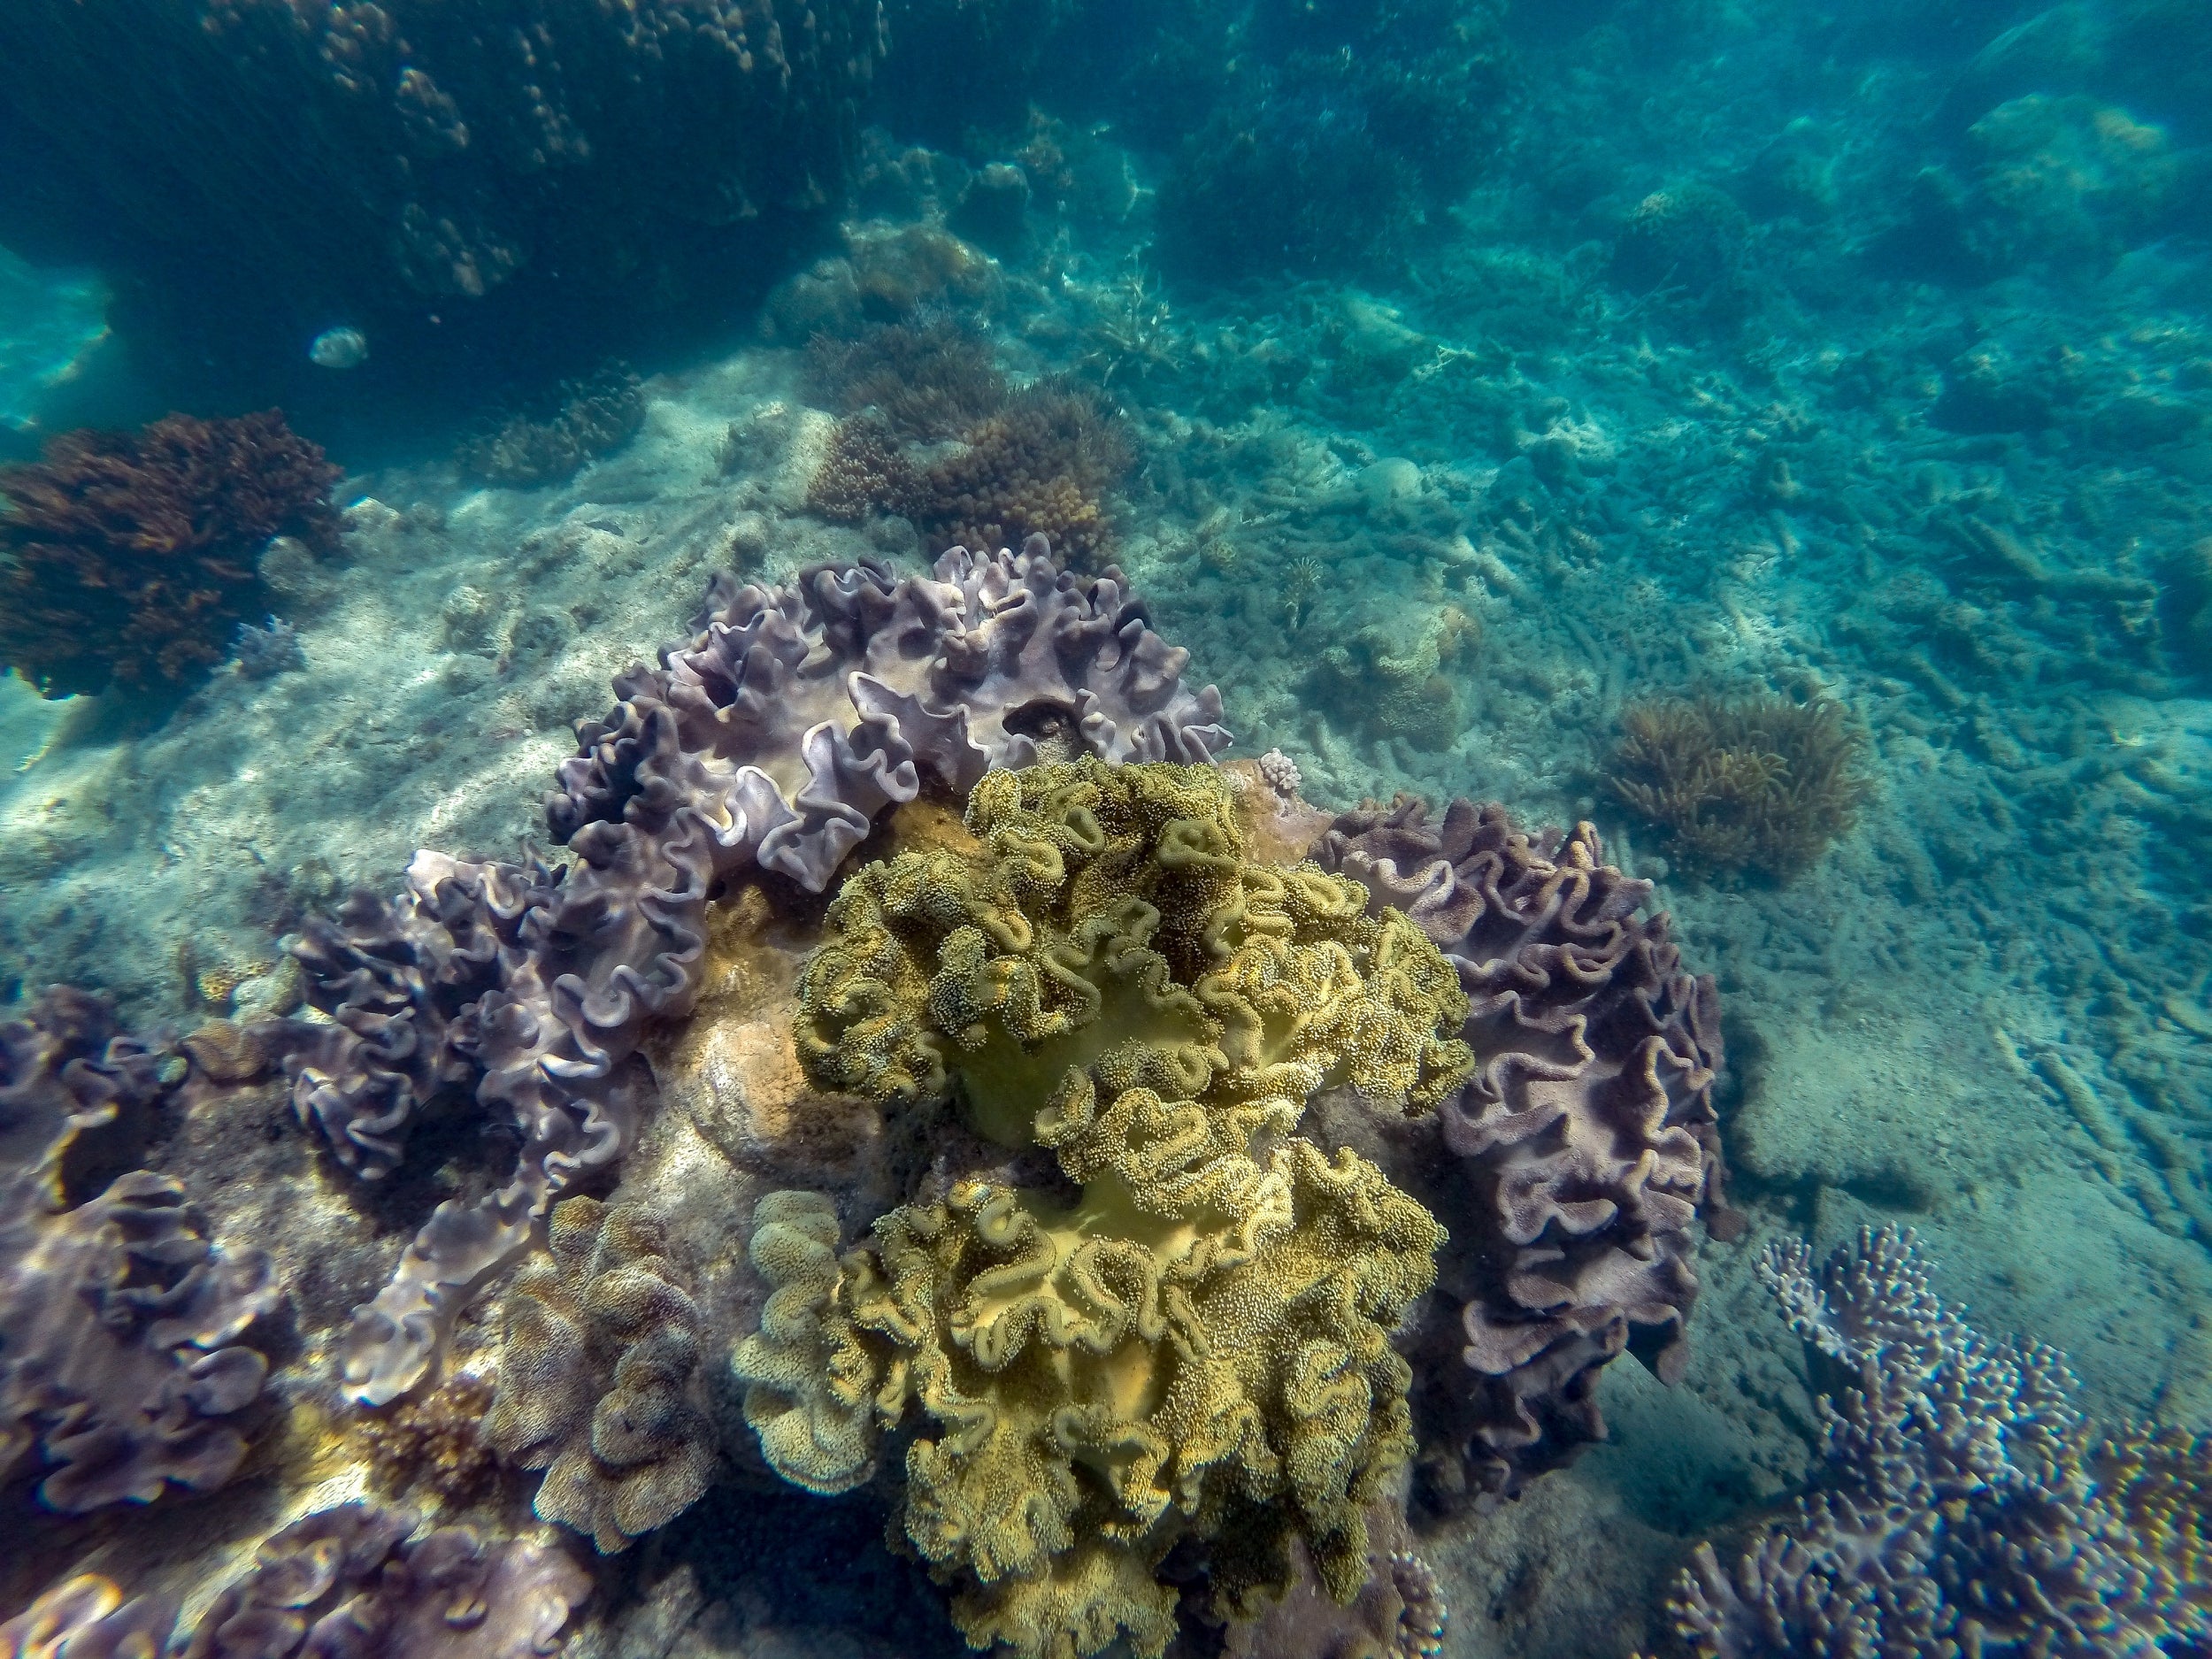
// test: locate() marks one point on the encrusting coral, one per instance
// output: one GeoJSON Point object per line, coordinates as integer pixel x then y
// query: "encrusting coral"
{"type": "Point", "coordinates": [1585, 1143]}
{"type": "Point", "coordinates": [120, 1363]}
{"type": "Point", "coordinates": [129, 557]}
{"type": "Point", "coordinates": [1759, 783]}
{"type": "Point", "coordinates": [596, 1377]}
{"type": "Point", "coordinates": [1966, 1505]}
{"type": "Point", "coordinates": [770, 740]}
{"type": "Point", "coordinates": [1191, 1340]}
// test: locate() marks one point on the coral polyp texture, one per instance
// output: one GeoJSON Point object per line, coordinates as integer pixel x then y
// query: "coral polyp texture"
{"type": "Point", "coordinates": [1587, 1136]}
{"type": "Point", "coordinates": [129, 557]}
{"type": "Point", "coordinates": [596, 1377]}
{"type": "Point", "coordinates": [1966, 1505]}
{"type": "Point", "coordinates": [122, 1373]}
{"type": "Point", "coordinates": [1186, 1337]}
{"type": "Point", "coordinates": [1757, 784]}
{"type": "Point", "coordinates": [771, 740]}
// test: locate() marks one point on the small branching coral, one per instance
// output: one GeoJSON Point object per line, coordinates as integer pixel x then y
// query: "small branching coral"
{"type": "Point", "coordinates": [1759, 783]}
{"type": "Point", "coordinates": [1191, 1341]}
{"type": "Point", "coordinates": [929, 379]}
{"type": "Point", "coordinates": [1045, 465]}
{"type": "Point", "coordinates": [592, 416]}
{"type": "Point", "coordinates": [1966, 1504]}
{"type": "Point", "coordinates": [128, 558]}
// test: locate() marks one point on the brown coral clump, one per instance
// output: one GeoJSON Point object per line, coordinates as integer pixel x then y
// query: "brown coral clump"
{"type": "Point", "coordinates": [1042, 466]}
{"type": "Point", "coordinates": [433, 1441]}
{"type": "Point", "coordinates": [863, 471]}
{"type": "Point", "coordinates": [1758, 784]}
{"type": "Point", "coordinates": [128, 557]}
{"type": "Point", "coordinates": [930, 379]}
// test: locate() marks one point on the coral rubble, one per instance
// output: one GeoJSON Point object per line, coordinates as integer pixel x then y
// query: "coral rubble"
{"type": "Point", "coordinates": [1966, 1503]}
{"type": "Point", "coordinates": [771, 740]}
{"type": "Point", "coordinates": [1587, 1135]}
{"type": "Point", "coordinates": [129, 559]}
{"type": "Point", "coordinates": [1187, 1337]}
{"type": "Point", "coordinates": [1759, 783]}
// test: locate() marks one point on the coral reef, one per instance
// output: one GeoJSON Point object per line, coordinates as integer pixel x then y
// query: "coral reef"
{"type": "Point", "coordinates": [1190, 1338]}
{"type": "Point", "coordinates": [1758, 784]}
{"type": "Point", "coordinates": [863, 471]}
{"type": "Point", "coordinates": [1045, 465]}
{"type": "Point", "coordinates": [362, 159]}
{"type": "Point", "coordinates": [596, 1377]}
{"type": "Point", "coordinates": [1345, 127]}
{"type": "Point", "coordinates": [120, 1364]}
{"type": "Point", "coordinates": [434, 1441]}
{"type": "Point", "coordinates": [1384, 685]}
{"type": "Point", "coordinates": [129, 557]}
{"type": "Point", "coordinates": [1691, 243]}
{"type": "Point", "coordinates": [1587, 1137]}
{"type": "Point", "coordinates": [592, 416]}
{"type": "Point", "coordinates": [1966, 1504]}
{"type": "Point", "coordinates": [929, 378]}
{"type": "Point", "coordinates": [264, 653]}
{"type": "Point", "coordinates": [1398, 1614]}
{"type": "Point", "coordinates": [86, 1617]}
{"type": "Point", "coordinates": [348, 1581]}
{"type": "Point", "coordinates": [770, 740]}
{"type": "Point", "coordinates": [342, 1581]}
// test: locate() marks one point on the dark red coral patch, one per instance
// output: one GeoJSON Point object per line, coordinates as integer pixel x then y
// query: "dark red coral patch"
{"type": "Point", "coordinates": [128, 557]}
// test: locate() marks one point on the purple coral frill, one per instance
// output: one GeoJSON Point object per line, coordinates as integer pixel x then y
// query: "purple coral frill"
{"type": "Point", "coordinates": [771, 740]}
{"type": "Point", "coordinates": [118, 1316]}
{"type": "Point", "coordinates": [1963, 1508]}
{"type": "Point", "coordinates": [1587, 1131]}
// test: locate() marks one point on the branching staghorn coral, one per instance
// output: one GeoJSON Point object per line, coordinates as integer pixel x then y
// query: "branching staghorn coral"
{"type": "Point", "coordinates": [929, 379]}
{"type": "Point", "coordinates": [1196, 1344]}
{"type": "Point", "coordinates": [1757, 783]}
{"type": "Point", "coordinates": [771, 740]}
{"type": "Point", "coordinates": [1585, 1141]}
{"type": "Point", "coordinates": [1966, 1505]}
{"type": "Point", "coordinates": [596, 1377]}
{"type": "Point", "coordinates": [128, 557]}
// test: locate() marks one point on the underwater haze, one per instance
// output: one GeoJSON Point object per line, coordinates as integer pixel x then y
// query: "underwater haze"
{"type": "Point", "coordinates": [1210, 829]}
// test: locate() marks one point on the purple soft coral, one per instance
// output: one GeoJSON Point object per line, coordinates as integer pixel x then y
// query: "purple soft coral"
{"type": "Point", "coordinates": [771, 740]}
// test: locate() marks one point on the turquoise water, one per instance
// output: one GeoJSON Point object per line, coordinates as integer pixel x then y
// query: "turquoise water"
{"type": "Point", "coordinates": [1762, 452]}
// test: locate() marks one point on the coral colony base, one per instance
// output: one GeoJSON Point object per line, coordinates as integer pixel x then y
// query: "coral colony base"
{"type": "Point", "coordinates": [899, 1138]}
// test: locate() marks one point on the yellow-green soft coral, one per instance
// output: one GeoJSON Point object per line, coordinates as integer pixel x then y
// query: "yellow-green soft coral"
{"type": "Point", "coordinates": [1199, 1344]}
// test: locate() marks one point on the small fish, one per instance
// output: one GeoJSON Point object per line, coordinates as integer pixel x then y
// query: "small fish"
{"type": "Point", "coordinates": [339, 349]}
